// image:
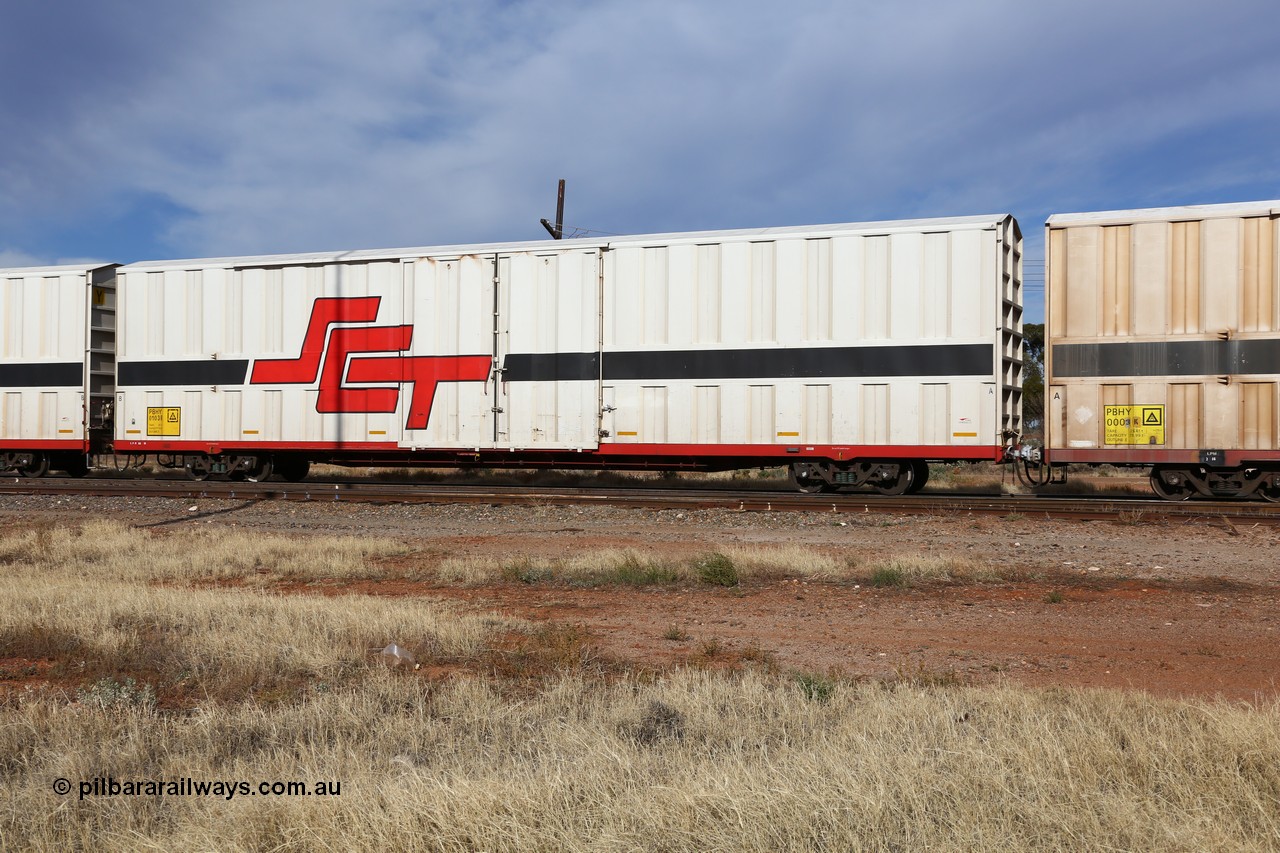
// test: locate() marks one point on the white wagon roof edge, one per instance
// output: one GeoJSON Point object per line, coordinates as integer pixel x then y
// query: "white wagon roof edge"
{"type": "Point", "coordinates": [1183, 213]}
{"type": "Point", "coordinates": [979, 222]}
{"type": "Point", "coordinates": [60, 269]}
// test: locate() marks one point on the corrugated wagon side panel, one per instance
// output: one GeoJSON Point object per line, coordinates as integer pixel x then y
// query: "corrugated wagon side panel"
{"type": "Point", "coordinates": [848, 338]}
{"type": "Point", "coordinates": [1200, 350]}
{"type": "Point", "coordinates": [190, 337]}
{"type": "Point", "coordinates": [44, 338]}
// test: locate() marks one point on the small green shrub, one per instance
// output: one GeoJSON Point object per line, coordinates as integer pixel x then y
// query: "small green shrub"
{"type": "Point", "coordinates": [888, 576]}
{"type": "Point", "coordinates": [717, 569]}
{"type": "Point", "coordinates": [816, 688]}
{"type": "Point", "coordinates": [634, 571]}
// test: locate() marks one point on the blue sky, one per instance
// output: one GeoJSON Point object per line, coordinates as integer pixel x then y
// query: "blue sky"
{"type": "Point", "coordinates": [156, 128]}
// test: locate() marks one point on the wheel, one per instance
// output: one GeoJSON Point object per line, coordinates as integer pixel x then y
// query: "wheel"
{"type": "Point", "coordinates": [920, 475]}
{"type": "Point", "coordinates": [807, 478]}
{"type": "Point", "coordinates": [38, 467]}
{"type": "Point", "coordinates": [1270, 491]}
{"type": "Point", "coordinates": [292, 469]}
{"type": "Point", "coordinates": [74, 465]}
{"type": "Point", "coordinates": [899, 485]}
{"type": "Point", "coordinates": [261, 472]}
{"type": "Point", "coordinates": [1178, 491]}
{"type": "Point", "coordinates": [196, 468]}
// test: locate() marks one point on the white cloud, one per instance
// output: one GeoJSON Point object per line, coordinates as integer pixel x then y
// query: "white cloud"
{"type": "Point", "coordinates": [330, 124]}
{"type": "Point", "coordinates": [12, 258]}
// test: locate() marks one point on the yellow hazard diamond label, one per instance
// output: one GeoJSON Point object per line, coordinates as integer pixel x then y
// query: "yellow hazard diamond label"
{"type": "Point", "coordinates": [1133, 425]}
{"type": "Point", "coordinates": [164, 420]}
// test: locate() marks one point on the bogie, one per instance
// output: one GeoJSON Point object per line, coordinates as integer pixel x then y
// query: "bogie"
{"type": "Point", "coordinates": [886, 476]}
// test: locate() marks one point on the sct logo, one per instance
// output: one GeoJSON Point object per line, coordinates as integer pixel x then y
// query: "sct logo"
{"type": "Point", "coordinates": [325, 353]}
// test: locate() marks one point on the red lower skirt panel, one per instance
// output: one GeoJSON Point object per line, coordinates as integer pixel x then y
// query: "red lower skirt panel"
{"type": "Point", "coordinates": [65, 444]}
{"type": "Point", "coordinates": [1145, 456]}
{"type": "Point", "coordinates": [693, 456]}
{"type": "Point", "coordinates": [837, 452]}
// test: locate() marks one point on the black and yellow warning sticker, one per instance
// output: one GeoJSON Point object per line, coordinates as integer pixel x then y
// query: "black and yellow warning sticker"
{"type": "Point", "coordinates": [164, 420]}
{"type": "Point", "coordinates": [1133, 425]}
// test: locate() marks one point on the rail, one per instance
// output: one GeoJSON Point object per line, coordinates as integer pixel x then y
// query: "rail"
{"type": "Point", "coordinates": [1101, 507]}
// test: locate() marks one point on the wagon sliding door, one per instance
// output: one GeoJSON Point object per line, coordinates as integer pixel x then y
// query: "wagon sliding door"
{"type": "Point", "coordinates": [548, 347]}
{"type": "Point", "coordinates": [512, 344]}
{"type": "Point", "coordinates": [449, 303]}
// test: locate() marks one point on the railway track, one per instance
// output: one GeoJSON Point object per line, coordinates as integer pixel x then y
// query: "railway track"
{"type": "Point", "coordinates": [1134, 509]}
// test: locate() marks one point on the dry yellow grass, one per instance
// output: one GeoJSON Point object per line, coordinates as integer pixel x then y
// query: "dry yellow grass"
{"type": "Point", "coordinates": [106, 600]}
{"type": "Point", "coordinates": [689, 761]}
{"type": "Point", "coordinates": [908, 569]}
{"type": "Point", "coordinates": [636, 566]}
{"type": "Point", "coordinates": [112, 551]}
{"type": "Point", "coordinates": [597, 566]}
{"type": "Point", "coordinates": [692, 762]}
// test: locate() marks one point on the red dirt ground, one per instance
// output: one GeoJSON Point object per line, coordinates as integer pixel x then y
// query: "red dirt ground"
{"type": "Point", "coordinates": [1185, 609]}
{"type": "Point", "coordinates": [1206, 638]}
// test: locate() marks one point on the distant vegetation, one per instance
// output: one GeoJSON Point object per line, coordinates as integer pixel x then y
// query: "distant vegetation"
{"type": "Point", "coordinates": [1033, 378]}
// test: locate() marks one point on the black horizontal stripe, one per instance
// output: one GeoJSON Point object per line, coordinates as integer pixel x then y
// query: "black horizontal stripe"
{"type": "Point", "coordinates": [1167, 358]}
{"type": "Point", "coordinates": [773, 363]}
{"type": "Point", "coordinates": [61, 375]}
{"type": "Point", "coordinates": [552, 367]}
{"type": "Point", "coordinates": [203, 372]}
{"type": "Point", "coordinates": [798, 363]}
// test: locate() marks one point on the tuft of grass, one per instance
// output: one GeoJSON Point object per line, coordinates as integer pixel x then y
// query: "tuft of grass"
{"type": "Point", "coordinates": [756, 653]}
{"type": "Point", "coordinates": [546, 651]}
{"type": "Point", "coordinates": [605, 567]}
{"type": "Point", "coordinates": [527, 570]}
{"type": "Point", "coordinates": [717, 569]}
{"type": "Point", "coordinates": [659, 723]}
{"type": "Point", "coordinates": [634, 570]}
{"type": "Point", "coordinates": [1053, 597]}
{"type": "Point", "coordinates": [785, 561]}
{"type": "Point", "coordinates": [816, 688]}
{"type": "Point", "coordinates": [906, 570]}
{"type": "Point", "coordinates": [890, 576]}
{"type": "Point", "coordinates": [675, 634]}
